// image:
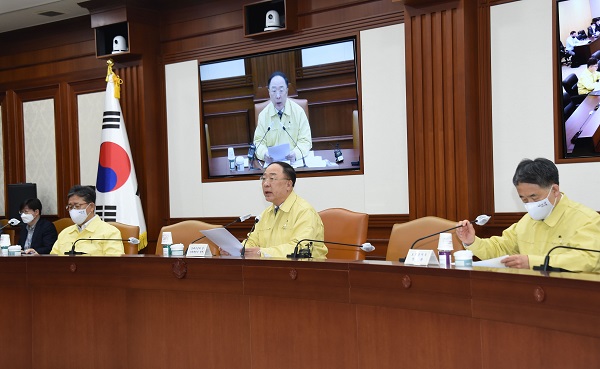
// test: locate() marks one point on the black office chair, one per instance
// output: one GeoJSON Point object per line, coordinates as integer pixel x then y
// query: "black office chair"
{"type": "Point", "coordinates": [565, 57]}
{"type": "Point", "coordinates": [596, 55]}
{"type": "Point", "coordinates": [570, 85]}
{"type": "Point", "coordinates": [568, 105]}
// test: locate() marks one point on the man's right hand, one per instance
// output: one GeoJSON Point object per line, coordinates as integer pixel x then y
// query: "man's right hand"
{"type": "Point", "coordinates": [268, 159]}
{"type": "Point", "coordinates": [466, 233]}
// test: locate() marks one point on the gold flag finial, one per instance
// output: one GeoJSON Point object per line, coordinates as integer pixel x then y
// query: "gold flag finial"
{"type": "Point", "coordinates": [116, 79]}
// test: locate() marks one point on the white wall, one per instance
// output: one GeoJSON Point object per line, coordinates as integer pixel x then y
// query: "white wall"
{"type": "Point", "coordinates": [522, 113]}
{"type": "Point", "coordinates": [383, 189]}
{"type": "Point", "coordinates": [575, 15]}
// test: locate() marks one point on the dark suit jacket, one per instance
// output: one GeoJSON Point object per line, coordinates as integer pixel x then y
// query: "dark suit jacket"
{"type": "Point", "coordinates": [592, 30]}
{"type": "Point", "coordinates": [44, 236]}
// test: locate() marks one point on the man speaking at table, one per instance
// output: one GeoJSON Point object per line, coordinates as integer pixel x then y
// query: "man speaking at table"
{"type": "Point", "coordinates": [552, 220]}
{"type": "Point", "coordinates": [282, 121]}
{"type": "Point", "coordinates": [288, 220]}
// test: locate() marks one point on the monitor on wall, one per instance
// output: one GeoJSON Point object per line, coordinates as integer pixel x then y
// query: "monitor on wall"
{"type": "Point", "coordinates": [578, 45]}
{"type": "Point", "coordinates": [322, 79]}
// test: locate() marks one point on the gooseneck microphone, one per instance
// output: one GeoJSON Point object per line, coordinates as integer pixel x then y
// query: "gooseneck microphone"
{"type": "Point", "coordinates": [240, 219]}
{"type": "Point", "coordinates": [295, 144]}
{"type": "Point", "coordinates": [546, 266]}
{"type": "Point", "coordinates": [480, 220]}
{"type": "Point", "coordinates": [13, 222]}
{"type": "Point", "coordinates": [253, 156]}
{"type": "Point", "coordinates": [256, 220]}
{"type": "Point", "coordinates": [72, 252]}
{"type": "Point", "coordinates": [307, 253]}
{"type": "Point", "coordinates": [578, 133]}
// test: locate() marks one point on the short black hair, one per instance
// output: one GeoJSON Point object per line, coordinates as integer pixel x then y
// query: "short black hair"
{"type": "Point", "coordinates": [85, 192]}
{"type": "Point", "coordinates": [572, 33]}
{"type": "Point", "coordinates": [592, 61]}
{"type": "Point", "coordinates": [280, 74]}
{"type": "Point", "coordinates": [540, 171]}
{"type": "Point", "coordinates": [33, 204]}
{"type": "Point", "coordinates": [288, 171]}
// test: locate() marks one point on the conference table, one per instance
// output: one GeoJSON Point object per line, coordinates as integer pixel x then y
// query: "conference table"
{"type": "Point", "coordinates": [584, 51]}
{"type": "Point", "coordinates": [160, 312]}
{"type": "Point", "coordinates": [587, 119]}
{"type": "Point", "coordinates": [219, 166]}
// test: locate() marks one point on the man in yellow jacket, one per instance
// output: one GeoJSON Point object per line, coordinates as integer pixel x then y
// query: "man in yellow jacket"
{"type": "Point", "coordinates": [552, 220]}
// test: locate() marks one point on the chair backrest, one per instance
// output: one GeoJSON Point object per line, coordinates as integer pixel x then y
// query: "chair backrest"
{"type": "Point", "coordinates": [185, 232]}
{"type": "Point", "coordinates": [570, 84]}
{"type": "Point", "coordinates": [62, 223]}
{"type": "Point", "coordinates": [345, 226]}
{"type": "Point", "coordinates": [404, 234]}
{"type": "Point", "coordinates": [258, 107]}
{"type": "Point", "coordinates": [568, 105]}
{"type": "Point", "coordinates": [128, 231]}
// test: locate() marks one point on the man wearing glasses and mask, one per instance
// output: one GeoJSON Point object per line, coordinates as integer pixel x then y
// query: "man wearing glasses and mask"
{"type": "Point", "coordinates": [552, 220]}
{"type": "Point", "coordinates": [37, 234]}
{"type": "Point", "coordinates": [81, 206]}
{"type": "Point", "coordinates": [288, 220]}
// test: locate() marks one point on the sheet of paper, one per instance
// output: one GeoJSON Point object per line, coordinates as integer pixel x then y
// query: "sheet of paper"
{"type": "Point", "coordinates": [225, 240]}
{"type": "Point", "coordinates": [491, 263]}
{"type": "Point", "coordinates": [314, 162]}
{"type": "Point", "coordinates": [279, 152]}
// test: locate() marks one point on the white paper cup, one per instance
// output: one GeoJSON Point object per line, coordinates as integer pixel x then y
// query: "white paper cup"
{"type": "Point", "coordinates": [463, 258]}
{"type": "Point", "coordinates": [177, 249]}
{"type": "Point", "coordinates": [14, 250]}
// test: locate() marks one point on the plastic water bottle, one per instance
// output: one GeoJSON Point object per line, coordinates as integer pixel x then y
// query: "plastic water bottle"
{"type": "Point", "coordinates": [231, 158]}
{"type": "Point", "coordinates": [445, 248]}
{"type": "Point", "coordinates": [167, 241]}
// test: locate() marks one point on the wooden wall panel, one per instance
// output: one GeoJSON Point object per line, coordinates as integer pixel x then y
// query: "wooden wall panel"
{"type": "Point", "coordinates": [445, 126]}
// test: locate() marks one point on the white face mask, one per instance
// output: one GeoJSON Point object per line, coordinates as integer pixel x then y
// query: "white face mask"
{"type": "Point", "coordinates": [78, 216]}
{"type": "Point", "coordinates": [27, 218]}
{"type": "Point", "coordinates": [540, 210]}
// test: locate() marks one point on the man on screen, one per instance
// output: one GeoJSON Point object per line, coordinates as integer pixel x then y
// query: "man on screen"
{"type": "Point", "coordinates": [288, 220]}
{"type": "Point", "coordinates": [282, 112]}
{"type": "Point", "coordinates": [588, 78]}
{"type": "Point", "coordinates": [552, 219]}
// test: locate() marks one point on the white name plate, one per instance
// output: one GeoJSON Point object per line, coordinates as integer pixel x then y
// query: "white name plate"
{"type": "Point", "coordinates": [198, 250]}
{"type": "Point", "coordinates": [421, 257]}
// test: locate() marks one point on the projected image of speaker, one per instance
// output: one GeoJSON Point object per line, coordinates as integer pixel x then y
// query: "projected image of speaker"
{"type": "Point", "coordinates": [17, 193]}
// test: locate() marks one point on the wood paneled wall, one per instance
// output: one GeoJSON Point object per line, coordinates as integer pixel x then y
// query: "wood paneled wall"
{"type": "Point", "coordinates": [449, 128]}
{"type": "Point", "coordinates": [60, 57]}
{"type": "Point", "coordinates": [448, 91]}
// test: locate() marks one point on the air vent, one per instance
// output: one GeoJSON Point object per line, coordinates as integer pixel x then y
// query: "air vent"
{"type": "Point", "coordinates": [51, 13]}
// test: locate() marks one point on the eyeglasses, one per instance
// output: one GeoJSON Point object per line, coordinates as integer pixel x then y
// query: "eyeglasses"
{"type": "Point", "coordinates": [271, 179]}
{"type": "Point", "coordinates": [76, 206]}
{"type": "Point", "coordinates": [28, 211]}
{"type": "Point", "coordinates": [275, 90]}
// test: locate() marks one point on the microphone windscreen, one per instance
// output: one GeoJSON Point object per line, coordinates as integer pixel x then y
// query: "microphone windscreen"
{"type": "Point", "coordinates": [482, 219]}
{"type": "Point", "coordinates": [245, 217]}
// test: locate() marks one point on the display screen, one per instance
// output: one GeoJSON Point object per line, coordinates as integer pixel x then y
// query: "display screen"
{"type": "Point", "coordinates": [578, 29]}
{"type": "Point", "coordinates": [319, 128]}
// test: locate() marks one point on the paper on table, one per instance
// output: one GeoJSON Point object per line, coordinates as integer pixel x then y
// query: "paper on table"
{"type": "Point", "coordinates": [279, 152]}
{"type": "Point", "coordinates": [490, 263]}
{"type": "Point", "coordinates": [225, 240]}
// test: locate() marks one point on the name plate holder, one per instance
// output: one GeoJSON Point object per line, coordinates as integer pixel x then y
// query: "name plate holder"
{"type": "Point", "coordinates": [198, 250]}
{"type": "Point", "coordinates": [421, 257]}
